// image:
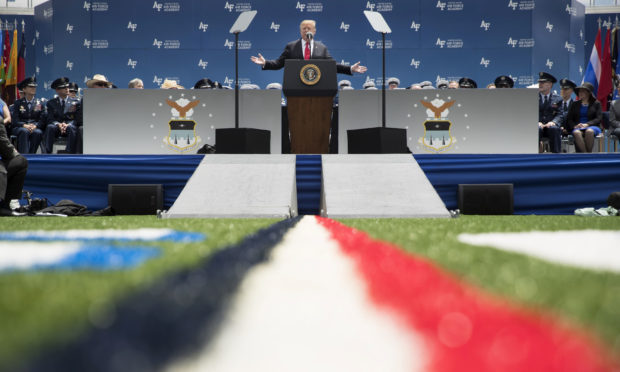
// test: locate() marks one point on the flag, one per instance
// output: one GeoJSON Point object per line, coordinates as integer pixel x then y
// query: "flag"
{"type": "Point", "coordinates": [6, 49]}
{"type": "Point", "coordinates": [2, 66]}
{"type": "Point", "coordinates": [21, 62]}
{"type": "Point", "coordinates": [605, 87]}
{"type": "Point", "coordinates": [11, 73]}
{"type": "Point", "coordinates": [593, 71]}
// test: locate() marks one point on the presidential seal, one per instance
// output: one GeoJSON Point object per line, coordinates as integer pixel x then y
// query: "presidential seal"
{"type": "Point", "coordinates": [310, 74]}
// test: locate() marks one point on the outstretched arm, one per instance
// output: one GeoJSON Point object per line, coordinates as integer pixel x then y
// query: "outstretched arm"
{"type": "Point", "coordinates": [359, 69]}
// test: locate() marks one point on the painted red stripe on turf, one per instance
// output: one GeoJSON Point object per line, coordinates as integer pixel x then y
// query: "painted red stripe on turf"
{"type": "Point", "coordinates": [465, 328]}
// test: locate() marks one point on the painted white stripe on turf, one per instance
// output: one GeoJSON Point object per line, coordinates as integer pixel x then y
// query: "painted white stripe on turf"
{"type": "Point", "coordinates": [590, 249]}
{"type": "Point", "coordinates": [109, 234]}
{"type": "Point", "coordinates": [22, 255]}
{"type": "Point", "coordinates": [307, 310]}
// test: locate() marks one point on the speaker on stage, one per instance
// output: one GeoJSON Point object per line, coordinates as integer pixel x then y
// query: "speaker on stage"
{"type": "Point", "coordinates": [242, 141]}
{"type": "Point", "coordinates": [142, 199]}
{"type": "Point", "coordinates": [377, 140]}
{"type": "Point", "coordinates": [486, 199]}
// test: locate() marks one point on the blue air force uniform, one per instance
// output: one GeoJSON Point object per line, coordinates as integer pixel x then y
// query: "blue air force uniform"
{"type": "Point", "coordinates": [59, 110]}
{"type": "Point", "coordinates": [28, 112]}
{"type": "Point", "coordinates": [550, 110]}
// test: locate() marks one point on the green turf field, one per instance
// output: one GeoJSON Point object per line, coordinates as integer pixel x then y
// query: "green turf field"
{"type": "Point", "coordinates": [38, 309]}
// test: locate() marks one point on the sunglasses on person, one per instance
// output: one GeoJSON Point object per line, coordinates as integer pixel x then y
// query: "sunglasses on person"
{"type": "Point", "coordinates": [100, 84]}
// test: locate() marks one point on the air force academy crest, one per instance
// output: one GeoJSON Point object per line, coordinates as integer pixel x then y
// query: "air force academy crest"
{"type": "Point", "coordinates": [437, 137]}
{"type": "Point", "coordinates": [182, 130]}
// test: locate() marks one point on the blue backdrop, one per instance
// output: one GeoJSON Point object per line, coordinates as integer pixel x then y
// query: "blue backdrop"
{"type": "Point", "coordinates": [186, 40]}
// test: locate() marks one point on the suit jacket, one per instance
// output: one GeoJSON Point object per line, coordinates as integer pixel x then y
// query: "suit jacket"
{"type": "Point", "coordinates": [293, 51]}
{"type": "Point", "coordinates": [614, 114]}
{"type": "Point", "coordinates": [36, 114]}
{"type": "Point", "coordinates": [552, 111]}
{"type": "Point", "coordinates": [7, 151]}
{"type": "Point", "coordinates": [70, 115]}
{"type": "Point", "coordinates": [595, 115]}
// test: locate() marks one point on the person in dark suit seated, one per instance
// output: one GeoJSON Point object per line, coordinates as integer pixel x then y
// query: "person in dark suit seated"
{"type": "Point", "coordinates": [305, 48]}
{"type": "Point", "coordinates": [30, 116]}
{"type": "Point", "coordinates": [13, 169]}
{"type": "Point", "coordinates": [583, 118]}
{"type": "Point", "coordinates": [550, 117]}
{"type": "Point", "coordinates": [62, 115]}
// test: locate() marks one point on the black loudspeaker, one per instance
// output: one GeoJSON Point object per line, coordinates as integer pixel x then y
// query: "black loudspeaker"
{"type": "Point", "coordinates": [377, 141]}
{"type": "Point", "coordinates": [489, 199]}
{"type": "Point", "coordinates": [135, 199]}
{"type": "Point", "coordinates": [242, 141]}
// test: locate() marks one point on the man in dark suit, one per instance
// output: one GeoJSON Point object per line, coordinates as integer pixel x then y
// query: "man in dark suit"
{"type": "Point", "coordinates": [13, 169]}
{"type": "Point", "coordinates": [29, 119]}
{"type": "Point", "coordinates": [62, 117]}
{"type": "Point", "coordinates": [305, 48]}
{"type": "Point", "coordinates": [550, 116]}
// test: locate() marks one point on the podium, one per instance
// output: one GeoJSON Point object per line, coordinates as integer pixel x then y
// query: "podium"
{"type": "Point", "coordinates": [310, 87]}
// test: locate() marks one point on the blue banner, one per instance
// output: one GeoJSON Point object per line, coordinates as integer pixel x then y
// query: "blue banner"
{"type": "Point", "coordinates": [187, 40]}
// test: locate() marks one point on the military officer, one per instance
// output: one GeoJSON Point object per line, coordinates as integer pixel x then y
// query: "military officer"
{"type": "Point", "coordinates": [30, 117]}
{"type": "Point", "coordinates": [504, 81]}
{"type": "Point", "coordinates": [62, 117]}
{"type": "Point", "coordinates": [550, 116]}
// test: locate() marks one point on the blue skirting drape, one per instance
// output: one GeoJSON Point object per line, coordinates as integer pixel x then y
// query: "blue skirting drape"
{"type": "Point", "coordinates": [543, 184]}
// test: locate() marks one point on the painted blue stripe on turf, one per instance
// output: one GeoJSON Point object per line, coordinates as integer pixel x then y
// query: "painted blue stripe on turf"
{"type": "Point", "coordinates": [173, 236]}
{"type": "Point", "coordinates": [173, 318]}
{"type": "Point", "coordinates": [104, 257]}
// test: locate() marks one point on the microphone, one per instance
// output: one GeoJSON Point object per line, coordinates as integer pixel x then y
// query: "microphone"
{"type": "Point", "coordinates": [309, 35]}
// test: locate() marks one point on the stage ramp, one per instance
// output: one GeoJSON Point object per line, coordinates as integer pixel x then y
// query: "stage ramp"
{"type": "Point", "coordinates": [239, 186]}
{"type": "Point", "coordinates": [377, 186]}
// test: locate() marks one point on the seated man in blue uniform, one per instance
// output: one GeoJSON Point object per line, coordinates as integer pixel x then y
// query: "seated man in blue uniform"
{"type": "Point", "coordinates": [62, 117]}
{"type": "Point", "coordinates": [550, 116]}
{"type": "Point", "coordinates": [30, 117]}
{"type": "Point", "coordinates": [305, 48]}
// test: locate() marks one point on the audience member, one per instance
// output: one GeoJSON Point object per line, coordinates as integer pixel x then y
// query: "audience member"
{"type": "Point", "coordinates": [99, 81]}
{"type": "Point", "coordinates": [207, 84]}
{"type": "Point", "coordinates": [369, 85]}
{"type": "Point", "coordinates": [344, 83]}
{"type": "Point", "coordinates": [135, 84]}
{"type": "Point", "coordinates": [415, 86]}
{"type": "Point", "coordinates": [393, 83]}
{"type": "Point", "coordinates": [276, 86]}
{"type": "Point", "coordinates": [567, 87]}
{"type": "Point", "coordinates": [491, 86]}
{"type": "Point", "coordinates": [29, 121]}
{"type": "Point", "coordinates": [5, 113]}
{"type": "Point", "coordinates": [453, 84]}
{"type": "Point", "coordinates": [62, 115]}
{"type": "Point", "coordinates": [504, 81]}
{"type": "Point", "coordinates": [550, 116]}
{"type": "Point", "coordinates": [584, 118]}
{"type": "Point", "coordinates": [467, 83]}
{"type": "Point", "coordinates": [442, 84]}
{"type": "Point", "coordinates": [74, 89]}
{"type": "Point", "coordinates": [614, 118]}
{"type": "Point", "coordinates": [170, 84]}
{"type": "Point", "coordinates": [13, 168]}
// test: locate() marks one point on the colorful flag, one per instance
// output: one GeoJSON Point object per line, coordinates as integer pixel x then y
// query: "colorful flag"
{"type": "Point", "coordinates": [21, 62]}
{"type": "Point", "coordinates": [10, 86]}
{"type": "Point", "coordinates": [593, 71]}
{"type": "Point", "coordinates": [2, 66]}
{"type": "Point", "coordinates": [6, 50]}
{"type": "Point", "coordinates": [605, 87]}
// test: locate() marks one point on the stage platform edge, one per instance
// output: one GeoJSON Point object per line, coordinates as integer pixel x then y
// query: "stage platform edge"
{"type": "Point", "coordinates": [377, 186]}
{"type": "Point", "coordinates": [239, 186]}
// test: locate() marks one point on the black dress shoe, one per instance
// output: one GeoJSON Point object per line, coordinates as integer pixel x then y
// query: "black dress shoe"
{"type": "Point", "coordinates": [6, 212]}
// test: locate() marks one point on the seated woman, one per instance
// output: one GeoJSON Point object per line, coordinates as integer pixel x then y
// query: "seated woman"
{"type": "Point", "coordinates": [584, 118]}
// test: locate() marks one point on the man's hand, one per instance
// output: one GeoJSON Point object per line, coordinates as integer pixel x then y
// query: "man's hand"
{"type": "Point", "coordinates": [357, 68]}
{"type": "Point", "coordinates": [30, 127]}
{"type": "Point", "coordinates": [63, 127]}
{"type": "Point", "coordinates": [260, 60]}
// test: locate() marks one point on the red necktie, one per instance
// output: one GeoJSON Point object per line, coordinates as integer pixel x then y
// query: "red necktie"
{"type": "Point", "coordinates": [307, 51]}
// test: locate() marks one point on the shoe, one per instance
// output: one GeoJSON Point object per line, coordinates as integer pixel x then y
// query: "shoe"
{"type": "Point", "coordinates": [6, 212]}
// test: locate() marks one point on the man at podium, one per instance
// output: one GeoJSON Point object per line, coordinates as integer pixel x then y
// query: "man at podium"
{"type": "Point", "coordinates": [305, 48]}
